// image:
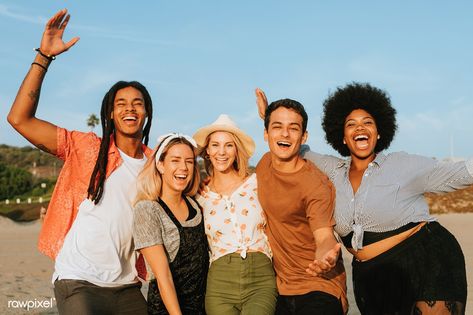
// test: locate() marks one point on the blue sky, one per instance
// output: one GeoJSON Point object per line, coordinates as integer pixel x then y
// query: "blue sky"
{"type": "Point", "coordinates": [202, 58]}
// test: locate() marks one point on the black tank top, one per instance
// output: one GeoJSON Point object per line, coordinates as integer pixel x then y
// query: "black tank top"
{"type": "Point", "coordinates": [188, 269]}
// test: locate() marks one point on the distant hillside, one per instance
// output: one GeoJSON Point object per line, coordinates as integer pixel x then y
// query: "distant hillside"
{"type": "Point", "coordinates": [45, 166]}
{"type": "Point", "coordinates": [37, 162]}
{"type": "Point", "coordinates": [457, 201]}
{"type": "Point", "coordinates": [23, 212]}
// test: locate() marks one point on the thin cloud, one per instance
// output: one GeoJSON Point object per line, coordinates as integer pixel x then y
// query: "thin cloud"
{"type": "Point", "coordinates": [91, 81]}
{"type": "Point", "coordinates": [90, 30]}
{"type": "Point", "coordinates": [5, 11]}
{"type": "Point", "coordinates": [386, 69]}
{"type": "Point", "coordinates": [454, 118]}
{"type": "Point", "coordinates": [250, 117]}
{"type": "Point", "coordinates": [128, 38]}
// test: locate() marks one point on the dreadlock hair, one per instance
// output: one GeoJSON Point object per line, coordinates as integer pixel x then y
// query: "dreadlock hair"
{"type": "Point", "coordinates": [354, 96]}
{"type": "Point", "coordinates": [96, 183]}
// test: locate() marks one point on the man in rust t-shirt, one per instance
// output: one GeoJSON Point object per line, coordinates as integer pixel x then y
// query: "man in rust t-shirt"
{"type": "Point", "coordinates": [298, 200]}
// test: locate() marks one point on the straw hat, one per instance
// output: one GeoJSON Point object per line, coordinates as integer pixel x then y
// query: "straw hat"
{"type": "Point", "coordinates": [225, 123]}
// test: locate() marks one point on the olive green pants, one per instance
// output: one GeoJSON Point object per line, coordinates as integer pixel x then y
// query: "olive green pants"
{"type": "Point", "coordinates": [241, 286]}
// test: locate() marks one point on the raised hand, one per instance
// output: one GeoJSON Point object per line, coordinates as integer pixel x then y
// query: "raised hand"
{"type": "Point", "coordinates": [326, 263]}
{"type": "Point", "coordinates": [52, 43]}
{"type": "Point", "coordinates": [261, 102]}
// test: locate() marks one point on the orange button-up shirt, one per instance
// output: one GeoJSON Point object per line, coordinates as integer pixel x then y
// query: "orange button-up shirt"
{"type": "Point", "coordinates": [79, 151]}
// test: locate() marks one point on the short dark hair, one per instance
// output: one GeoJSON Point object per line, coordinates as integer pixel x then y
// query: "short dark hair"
{"type": "Point", "coordinates": [344, 100]}
{"type": "Point", "coordinates": [289, 104]}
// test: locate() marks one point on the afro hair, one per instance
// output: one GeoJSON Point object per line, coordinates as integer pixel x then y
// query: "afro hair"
{"type": "Point", "coordinates": [358, 96]}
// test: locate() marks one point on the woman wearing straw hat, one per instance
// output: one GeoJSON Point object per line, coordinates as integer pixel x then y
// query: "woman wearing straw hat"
{"type": "Point", "coordinates": [168, 228]}
{"type": "Point", "coordinates": [241, 278]}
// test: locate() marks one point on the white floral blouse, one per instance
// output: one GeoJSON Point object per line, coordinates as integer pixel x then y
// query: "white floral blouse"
{"type": "Point", "coordinates": [234, 223]}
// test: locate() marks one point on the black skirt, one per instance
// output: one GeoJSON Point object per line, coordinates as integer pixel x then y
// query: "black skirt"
{"type": "Point", "coordinates": [428, 266]}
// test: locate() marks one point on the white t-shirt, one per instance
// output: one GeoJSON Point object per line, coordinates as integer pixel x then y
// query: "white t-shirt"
{"type": "Point", "coordinates": [99, 246]}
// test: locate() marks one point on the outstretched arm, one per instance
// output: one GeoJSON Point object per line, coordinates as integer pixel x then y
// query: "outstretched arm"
{"type": "Point", "coordinates": [327, 252]}
{"type": "Point", "coordinates": [261, 102]}
{"type": "Point", "coordinates": [22, 113]}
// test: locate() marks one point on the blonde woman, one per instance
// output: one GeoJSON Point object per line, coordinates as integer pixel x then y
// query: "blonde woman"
{"type": "Point", "coordinates": [168, 228]}
{"type": "Point", "coordinates": [241, 278]}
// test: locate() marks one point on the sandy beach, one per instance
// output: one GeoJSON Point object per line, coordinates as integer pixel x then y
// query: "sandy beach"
{"type": "Point", "coordinates": [25, 274]}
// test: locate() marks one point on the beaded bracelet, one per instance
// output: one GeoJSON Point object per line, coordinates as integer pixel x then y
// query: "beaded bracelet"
{"type": "Point", "coordinates": [49, 57]}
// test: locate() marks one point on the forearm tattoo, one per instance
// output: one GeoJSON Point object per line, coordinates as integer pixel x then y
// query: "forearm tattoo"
{"type": "Point", "coordinates": [42, 147]}
{"type": "Point", "coordinates": [34, 95]}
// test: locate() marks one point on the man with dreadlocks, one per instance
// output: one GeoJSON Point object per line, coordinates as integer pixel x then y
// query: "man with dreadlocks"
{"type": "Point", "coordinates": [88, 226]}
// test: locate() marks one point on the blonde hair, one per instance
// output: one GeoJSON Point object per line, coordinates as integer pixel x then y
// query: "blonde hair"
{"type": "Point", "coordinates": [150, 182]}
{"type": "Point", "coordinates": [241, 161]}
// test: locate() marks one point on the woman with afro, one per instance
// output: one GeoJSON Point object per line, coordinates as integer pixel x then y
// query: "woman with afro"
{"type": "Point", "coordinates": [404, 261]}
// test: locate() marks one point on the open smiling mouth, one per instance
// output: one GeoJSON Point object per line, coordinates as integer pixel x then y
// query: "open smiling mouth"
{"type": "Point", "coordinates": [130, 119]}
{"type": "Point", "coordinates": [284, 144]}
{"type": "Point", "coordinates": [361, 142]}
{"type": "Point", "coordinates": [180, 178]}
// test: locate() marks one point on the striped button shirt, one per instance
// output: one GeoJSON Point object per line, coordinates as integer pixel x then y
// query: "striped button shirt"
{"type": "Point", "coordinates": [391, 193]}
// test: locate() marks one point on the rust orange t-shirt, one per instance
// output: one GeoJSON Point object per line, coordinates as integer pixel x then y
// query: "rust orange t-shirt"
{"type": "Point", "coordinates": [296, 204]}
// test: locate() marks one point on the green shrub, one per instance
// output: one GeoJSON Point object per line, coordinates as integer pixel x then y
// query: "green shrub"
{"type": "Point", "coordinates": [14, 181]}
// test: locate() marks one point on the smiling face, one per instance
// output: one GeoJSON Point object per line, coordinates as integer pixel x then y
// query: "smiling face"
{"type": "Point", "coordinates": [222, 151]}
{"type": "Point", "coordinates": [284, 134]}
{"type": "Point", "coordinates": [129, 113]}
{"type": "Point", "coordinates": [177, 168]}
{"type": "Point", "coordinates": [360, 134]}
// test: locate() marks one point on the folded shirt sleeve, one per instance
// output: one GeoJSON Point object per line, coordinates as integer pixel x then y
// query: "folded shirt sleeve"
{"type": "Point", "coordinates": [147, 225]}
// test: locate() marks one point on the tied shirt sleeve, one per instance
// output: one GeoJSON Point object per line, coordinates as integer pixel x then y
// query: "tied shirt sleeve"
{"type": "Point", "coordinates": [147, 226]}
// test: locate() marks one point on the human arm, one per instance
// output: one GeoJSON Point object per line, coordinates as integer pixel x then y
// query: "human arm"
{"type": "Point", "coordinates": [320, 208]}
{"type": "Point", "coordinates": [261, 102]}
{"type": "Point", "coordinates": [326, 163]}
{"type": "Point", "coordinates": [149, 232]}
{"type": "Point", "coordinates": [156, 257]}
{"type": "Point", "coordinates": [326, 254]}
{"type": "Point", "coordinates": [446, 177]}
{"type": "Point", "coordinates": [419, 174]}
{"type": "Point", "coordinates": [22, 117]}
